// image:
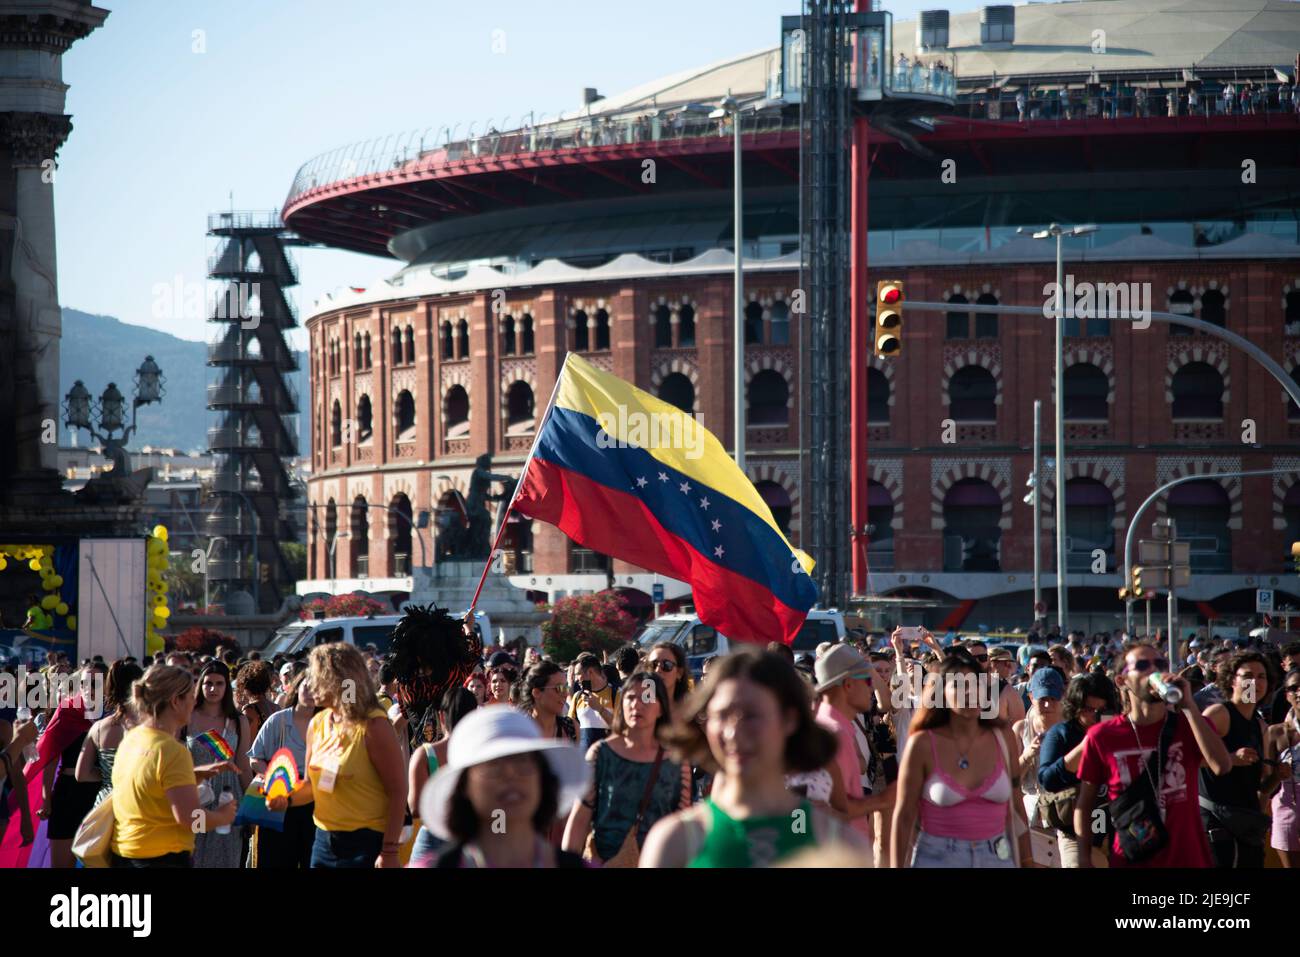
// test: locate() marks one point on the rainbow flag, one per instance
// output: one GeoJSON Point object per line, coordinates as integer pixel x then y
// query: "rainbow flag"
{"type": "Point", "coordinates": [629, 475]}
{"type": "Point", "coordinates": [217, 744]}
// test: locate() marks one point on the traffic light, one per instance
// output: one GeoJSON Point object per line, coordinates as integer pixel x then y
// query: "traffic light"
{"type": "Point", "coordinates": [1137, 581]}
{"type": "Point", "coordinates": [888, 340]}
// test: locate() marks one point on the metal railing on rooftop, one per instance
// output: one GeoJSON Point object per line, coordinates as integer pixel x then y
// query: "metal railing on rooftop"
{"type": "Point", "coordinates": [437, 146]}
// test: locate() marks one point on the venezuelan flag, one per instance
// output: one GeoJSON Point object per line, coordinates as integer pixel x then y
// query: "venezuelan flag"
{"type": "Point", "coordinates": [629, 475]}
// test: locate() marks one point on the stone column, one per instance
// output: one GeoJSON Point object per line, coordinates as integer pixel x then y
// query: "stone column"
{"type": "Point", "coordinates": [33, 38]}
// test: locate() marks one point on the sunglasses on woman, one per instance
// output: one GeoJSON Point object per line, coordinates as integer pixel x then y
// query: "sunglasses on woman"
{"type": "Point", "coordinates": [1143, 665]}
{"type": "Point", "coordinates": [665, 665]}
{"type": "Point", "coordinates": [1293, 689]}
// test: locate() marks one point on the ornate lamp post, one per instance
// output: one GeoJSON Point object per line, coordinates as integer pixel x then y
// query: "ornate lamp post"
{"type": "Point", "coordinates": [112, 411]}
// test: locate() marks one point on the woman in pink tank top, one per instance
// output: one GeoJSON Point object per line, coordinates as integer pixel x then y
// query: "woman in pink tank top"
{"type": "Point", "coordinates": [958, 778]}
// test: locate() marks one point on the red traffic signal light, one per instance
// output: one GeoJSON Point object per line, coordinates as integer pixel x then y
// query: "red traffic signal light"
{"type": "Point", "coordinates": [888, 339]}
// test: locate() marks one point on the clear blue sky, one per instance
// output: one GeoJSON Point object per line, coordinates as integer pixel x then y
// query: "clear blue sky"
{"type": "Point", "coordinates": [164, 135]}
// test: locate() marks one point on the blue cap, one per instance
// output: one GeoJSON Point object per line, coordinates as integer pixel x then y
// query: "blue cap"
{"type": "Point", "coordinates": [1046, 683]}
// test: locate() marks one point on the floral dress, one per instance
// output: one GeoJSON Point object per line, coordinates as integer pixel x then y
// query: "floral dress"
{"type": "Point", "coordinates": [213, 849]}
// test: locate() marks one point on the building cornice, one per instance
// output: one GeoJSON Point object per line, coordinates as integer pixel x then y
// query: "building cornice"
{"type": "Point", "coordinates": [53, 26]}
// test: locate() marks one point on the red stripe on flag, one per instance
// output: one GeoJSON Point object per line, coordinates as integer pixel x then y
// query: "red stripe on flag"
{"type": "Point", "coordinates": [619, 524]}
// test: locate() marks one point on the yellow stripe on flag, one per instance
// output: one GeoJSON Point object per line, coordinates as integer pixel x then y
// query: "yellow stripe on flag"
{"type": "Point", "coordinates": [630, 415]}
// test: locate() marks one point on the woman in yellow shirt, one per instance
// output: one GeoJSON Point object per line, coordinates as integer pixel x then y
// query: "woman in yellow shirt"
{"type": "Point", "coordinates": [356, 773]}
{"type": "Point", "coordinates": [155, 792]}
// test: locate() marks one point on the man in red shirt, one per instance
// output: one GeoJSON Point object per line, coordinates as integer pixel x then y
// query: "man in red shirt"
{"type": "Point", "coordinates": [1115, 752]}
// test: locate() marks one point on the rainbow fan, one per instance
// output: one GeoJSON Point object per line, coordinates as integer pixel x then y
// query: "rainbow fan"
{"type": "Point", "coordinates": [218, 745]}
{"type": "Point", "coordinates": [281, 775]}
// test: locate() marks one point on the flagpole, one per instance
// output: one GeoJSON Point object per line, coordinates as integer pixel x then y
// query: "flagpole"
{"type": "Point", "coordinates": [523, 473]}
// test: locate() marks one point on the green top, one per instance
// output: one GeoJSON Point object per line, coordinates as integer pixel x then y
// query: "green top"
{"type": "Point", "coordinates": [756, 841]}
{"type": "Point", "coordinates": [431, 758]}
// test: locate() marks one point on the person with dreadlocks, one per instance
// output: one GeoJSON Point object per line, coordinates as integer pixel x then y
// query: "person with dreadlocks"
{"type": "Point", "coordinates": [430, 652]}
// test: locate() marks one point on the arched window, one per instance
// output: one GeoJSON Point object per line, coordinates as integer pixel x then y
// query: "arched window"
{"type": "Point", "coordinates": [357, 352]}
{"type": "Point", "coordinates": [360, 533]}
{"type": "Point", "coordinates": [336, 424]}
{"type": "Point", "coordinates": [526, 336]}
{"type": "Point", "coordinates": [519, 408]}
{"type": "Point", "coordinates": [972, 535]}
{"type": "Point", "coordinates": [986, 326]}
{"type": "Point", "coordinates": [753, 324]}
{"type": "Point", "coordinates": [1201, 512]}
{"type": "Point", "coordinates": [331, 536]}
{"type": "Point", "coordinates": [1214, 308]}
{"type": "Point", "coordinates": [769, 394]}
{"type": "Point", "coordinates": [365, 427]}
{"type": "Point", "coordinates": [780, 323]}
{"type": "Point", "coordinates": [777, 499]}
{"type": "Point", "coordinates": [958, 325]}
{"type": "Point", "coordinates": [404, 416]}
{"type": "Point", "coordinates": [686, 326]}
{"type": "Point", "coordinates": [676, 389]}
{"type": "Point", "coordinates": [399, 535]}
{"type": "Point", "coordinates": [602, 330]}
{"type": "Point", "coordinates": [410, 346]}
{"type": "Point", "coordinates": [581, 334]}
{"type": "Point", "coordinates": [456, 412]}
{"type": "Point", "coordinates": [1198, 392]}
{"type": "Point", "coordinates": [663, 328]}
{"type": "Point", "coordinates": [877, 397]}
{"type": "Point", "coordinates": [973, 393]}
{"type": "Point", "coordinates": [462, 349]}
{"type": "Point", "coordinates": [1182, 303]}
{"type": "Point", "coordinates": [1291, 313]}
{"type": "Point", "coordinates": [880, 518]}
{"type": "Point", "coordinates": [508, 335]}
{"type": "Point", "coordinates": [1086, 388]}
{"type": "Point", "coordinates": [397, 347]}
{"type": "Point", "coordinates": [1089, 514]}
{"type": "Point", "coordinates": [448, 343]}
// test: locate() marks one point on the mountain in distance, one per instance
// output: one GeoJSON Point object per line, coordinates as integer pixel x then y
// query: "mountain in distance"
{"type": "Point", "coordinates": [100, 349]}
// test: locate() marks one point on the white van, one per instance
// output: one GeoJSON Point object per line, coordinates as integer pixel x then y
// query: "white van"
{"type": "Point", "coordinates": [701, 641]}
{"type": "Point", "coordinates": [374, 630]}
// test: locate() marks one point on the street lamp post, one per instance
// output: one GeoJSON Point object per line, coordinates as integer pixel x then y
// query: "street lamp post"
{"type": "Point", "coordinates": [257, 564]}
{"type": "Point", "coordinates": [729, 106]}
{"type": "Point", "coordinates": [207, 560]}
{"type": "Point", "coordinates": [77, 403]}
{"type": "Point", "coordinates": [1062, 595]}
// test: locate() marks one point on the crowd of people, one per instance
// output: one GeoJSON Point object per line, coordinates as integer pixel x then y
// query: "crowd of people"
{"type": "Point", "coordinates": [898, 751]}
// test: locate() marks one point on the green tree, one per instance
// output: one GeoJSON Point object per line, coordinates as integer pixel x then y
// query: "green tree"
{"type": "Point", "coordinates": [594, 623]}
{"type": "Point", "coordinates": [295, 554]}
{"type": "Point", "coordinates": [184, 584]}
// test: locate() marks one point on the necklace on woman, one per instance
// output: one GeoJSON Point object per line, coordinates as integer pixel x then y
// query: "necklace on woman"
{"type": "Point", "coordinates": [963, 762]}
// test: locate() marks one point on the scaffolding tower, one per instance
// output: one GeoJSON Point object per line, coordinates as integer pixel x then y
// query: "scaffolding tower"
{"type": "Point", "coordinates": [824, 164]}
{"type": "Point", "coordinates": [255, 404]}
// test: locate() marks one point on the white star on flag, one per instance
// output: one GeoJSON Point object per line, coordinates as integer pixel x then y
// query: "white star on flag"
{"type": "Point", "coordinates": [685, 487]}
{"type": "Point", "coordinates": [641, 482]}
{"type": "Point", "coordinates": [704, 503]}
{"type": "Point", "coordinates": [717, 526]}
{"type": "Point", "coordinates": [718, 551]}
{"type": "Point", "coordinates": [663, 476]}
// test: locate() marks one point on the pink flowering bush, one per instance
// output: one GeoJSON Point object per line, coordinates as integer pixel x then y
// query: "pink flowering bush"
{"type": "Point", "coordinates": [579, 623]}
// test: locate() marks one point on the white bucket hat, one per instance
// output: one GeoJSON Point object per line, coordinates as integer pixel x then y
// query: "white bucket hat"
{"type": "Point", "coordinates": [499, 731]}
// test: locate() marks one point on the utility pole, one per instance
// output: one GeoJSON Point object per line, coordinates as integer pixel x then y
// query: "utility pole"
{"type": "Point", "coordinates": [1038, 509]}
